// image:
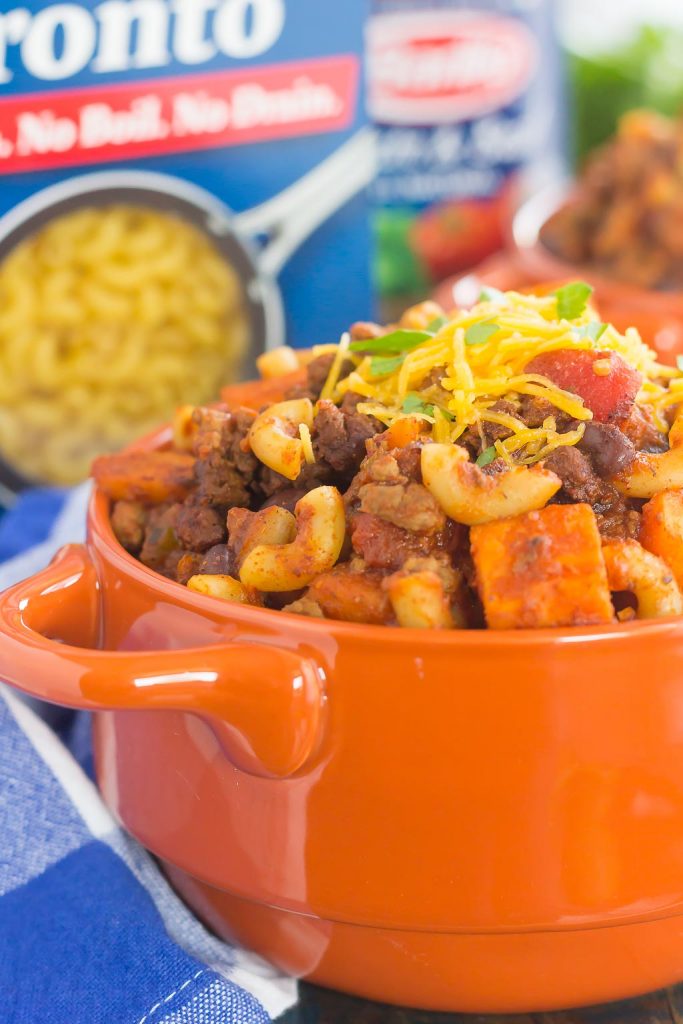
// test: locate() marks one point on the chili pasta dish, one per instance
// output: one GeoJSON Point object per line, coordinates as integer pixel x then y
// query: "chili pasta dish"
{"type": "Point", "coordinates": [518, 464]}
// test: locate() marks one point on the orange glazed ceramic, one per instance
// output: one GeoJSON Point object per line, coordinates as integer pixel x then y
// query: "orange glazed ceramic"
{"type": "Point", "coordinates": [475, 821]}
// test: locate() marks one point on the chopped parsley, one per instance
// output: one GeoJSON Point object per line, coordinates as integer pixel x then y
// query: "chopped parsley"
{"type": "Point", "coordinates": [477, 334]}
{"type": "Point", "coordinates": [413, 403]}
{"type": "Point", "coordinates": [572, 299]}
{"type": "Point", "coordinates": [437, 323]}
{"type": "Point", "coordinates": [487, 456]}
{"type": "Point", "coordinates": [594, 330]}
{"type": "Point", "coordinates": [379, 365]}
{"type": "Point", "coordinates": [396, 341]}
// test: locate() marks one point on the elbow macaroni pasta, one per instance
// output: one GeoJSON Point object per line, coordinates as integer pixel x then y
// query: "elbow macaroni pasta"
{"type": "Point", "coordinates": [315, 548]}
{"type": "Point", "coordinates": [630, 567]}
{"type": "Point", "coordinates": [109, 318]}
{"type": "Point", "coordinates": [469, 496]}
{"type": "Point", "coordinates": [271, 436]}
{"type": "Point", "coordinates": [419, 601]}
{"type": "Point", "coordinates": [652, 474]}
{"type": "Point", "coordinates": [225, 587]}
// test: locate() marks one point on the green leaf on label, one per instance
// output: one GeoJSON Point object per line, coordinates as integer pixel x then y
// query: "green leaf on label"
{"type": "Point", "coordinates": [487, 456]}
{"type": "Point", "coordinates": [396, 341]}
{"type": "Point", "coordinates": [488, 294]}
{"type": "Point", "coordinates": [572, 299]}
{"type": "Point", "coordinates": [477, 334]}
{"type": "Point", "coordinates": [379, 365]}
{"type": "Point", "coordinates": [437, 323]}
{"type": "Point", "coordinates": [594, 330]}
{"type": "Point", "coordinates": [413, 403]}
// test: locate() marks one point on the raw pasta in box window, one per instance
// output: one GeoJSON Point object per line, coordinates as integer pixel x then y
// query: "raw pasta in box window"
{"type": "Point", "coordinates": [108, 317]}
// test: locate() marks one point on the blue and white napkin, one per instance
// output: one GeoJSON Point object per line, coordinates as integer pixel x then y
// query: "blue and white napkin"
{"type": "Point", "coordinates": [90, 932]}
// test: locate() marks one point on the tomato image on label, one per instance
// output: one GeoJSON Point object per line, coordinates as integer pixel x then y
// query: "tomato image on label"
{"type": "Point", "coordinates": [463, 94]}
{"type": "Point", "coordinates": [455, 235]}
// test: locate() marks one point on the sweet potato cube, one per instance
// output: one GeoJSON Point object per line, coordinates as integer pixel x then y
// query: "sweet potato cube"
{"type": "Point", "coordinates": [661, 530]}
{"type": "Point", "coordinates": [404, 431]}
{"type": "Point", "coordinates": [153, 477]}
{"type": "Point", "coordinates": [255, 394]}
{"type": "Point", "coordinates": [542, 568]}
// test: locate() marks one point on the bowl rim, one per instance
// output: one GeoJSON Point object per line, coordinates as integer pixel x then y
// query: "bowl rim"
{"type": "Point", "coordinates": [532, 214]}
{"type": "Point", "coordinates": [100, 531]}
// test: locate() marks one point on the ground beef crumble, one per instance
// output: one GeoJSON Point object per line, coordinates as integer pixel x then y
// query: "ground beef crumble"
{"type": "Point", "coordinates": [317, 372]}
{"type": "Point", "coordinates": [199, 527]}
{"type": "Point", "coordinates": [640, 428]}
{"type": "Point", "coordinates": [339, 434]}
{"type": "Point", "coordinates": [227, 469]}
{"type": "Point", "coordinates": [581, 483]}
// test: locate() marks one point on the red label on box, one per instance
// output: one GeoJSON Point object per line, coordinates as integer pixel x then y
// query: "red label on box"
{"type": "Point", "coordinates": [80, 126]}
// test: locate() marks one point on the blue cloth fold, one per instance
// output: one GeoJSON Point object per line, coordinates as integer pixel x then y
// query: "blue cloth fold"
{"type": "Point", "coordinates": [90, 932]}
{"type": "Point", "coordinates": [30, 521]}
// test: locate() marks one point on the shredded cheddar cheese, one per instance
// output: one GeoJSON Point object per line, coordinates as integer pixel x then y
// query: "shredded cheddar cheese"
{"type": "Point", "coordinates": [459, 372]}
{"type": "Point", "coordinates": [306, 443]}
{"type": "Point", "coordinates": [337, 363]}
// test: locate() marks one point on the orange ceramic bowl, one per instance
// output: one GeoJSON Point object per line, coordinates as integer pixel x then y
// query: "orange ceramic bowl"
{"type": "Point", "coordinates": [474, 821]}
{"type": "Point", "coordinates": [658, 315]}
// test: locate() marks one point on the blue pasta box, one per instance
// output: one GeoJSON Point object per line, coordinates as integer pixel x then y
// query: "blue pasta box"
{"type": "Point", "coordinates": [183, 184]}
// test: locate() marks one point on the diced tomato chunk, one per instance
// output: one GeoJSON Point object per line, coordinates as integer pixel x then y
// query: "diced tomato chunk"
{"type": "Point", "coordinates": [605, 382]}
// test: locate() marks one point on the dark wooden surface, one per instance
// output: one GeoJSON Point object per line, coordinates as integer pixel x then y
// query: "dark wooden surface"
{"type": "Point", "coordinates": [320, 1006]}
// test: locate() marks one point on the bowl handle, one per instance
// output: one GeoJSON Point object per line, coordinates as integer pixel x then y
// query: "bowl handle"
{"type": "Point", "coordinates": [264, 703]}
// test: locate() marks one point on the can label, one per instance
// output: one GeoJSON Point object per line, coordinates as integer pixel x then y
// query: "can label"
{"type": "Point", "coordinates": [464, 100]}
{"type": "Point", "coordinates": [438, 67]}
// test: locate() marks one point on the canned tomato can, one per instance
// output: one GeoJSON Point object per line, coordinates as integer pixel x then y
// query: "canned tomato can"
{"type": "Point", "coordinates": [466, 99]}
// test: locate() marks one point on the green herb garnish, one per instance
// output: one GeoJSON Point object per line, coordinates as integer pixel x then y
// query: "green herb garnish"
{"type": "Point", "coordinates": [594, 330]}
{"type": "Point", "coordinates": [487, 456]}
{"type": "Point", "coordinates": [379, 365]}
{"type": "Point", "coordinates": [477, 334]}
{"type": "Point", "coordinates": [679, 363]}
{"type": "Point", "coordinates": [437, 323]}
{"type": "Point", "coordinates": [488, 294]}
{"type": "Point", "coordinates": [572, 299]}
{"type": "Point", "coordinates": [397, 341]}
{"type": "Point", "coordinates": [413, 403]}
